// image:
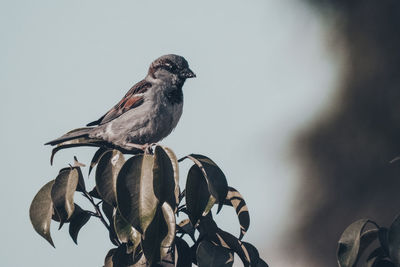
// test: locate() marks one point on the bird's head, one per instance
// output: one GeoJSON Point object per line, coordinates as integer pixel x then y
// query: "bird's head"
{"type": "Point", "coordinates": [171, 67]}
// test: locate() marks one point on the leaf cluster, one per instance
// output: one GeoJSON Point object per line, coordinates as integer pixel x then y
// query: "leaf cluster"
{"type": "Point", "coordinates": [139, 201]}
{"type": "Point", "coordinates": [357, 238]}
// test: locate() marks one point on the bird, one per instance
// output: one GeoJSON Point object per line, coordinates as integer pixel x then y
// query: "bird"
{"type": "Point", "coordinates": [147, 113]}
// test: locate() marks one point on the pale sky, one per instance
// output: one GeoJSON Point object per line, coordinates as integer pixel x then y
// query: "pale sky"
{"type": "Point", "coordinates": [264, 72]}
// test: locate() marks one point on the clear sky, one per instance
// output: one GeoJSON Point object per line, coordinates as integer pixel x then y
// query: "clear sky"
{"type": "Point", "coordinates": [264, 72]}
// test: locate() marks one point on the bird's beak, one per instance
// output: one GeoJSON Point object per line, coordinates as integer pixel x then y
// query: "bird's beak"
{"type": "Point", "coordinates": [187, 73]}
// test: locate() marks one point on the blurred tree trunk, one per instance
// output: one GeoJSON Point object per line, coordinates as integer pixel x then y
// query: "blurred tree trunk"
{"type": "Point", "coordinates": [347, 175]}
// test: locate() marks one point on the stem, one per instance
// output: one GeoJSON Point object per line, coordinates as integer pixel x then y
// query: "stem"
{"type": "Point", "coordinates": [98, 213]}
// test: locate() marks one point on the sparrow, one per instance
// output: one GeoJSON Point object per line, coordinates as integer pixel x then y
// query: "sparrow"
{"type": "Point", "coordinates": [148, 112]}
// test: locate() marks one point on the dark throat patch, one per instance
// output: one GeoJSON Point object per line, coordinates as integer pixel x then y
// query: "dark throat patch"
{"type": "Point", "coordinates": [175, 96]}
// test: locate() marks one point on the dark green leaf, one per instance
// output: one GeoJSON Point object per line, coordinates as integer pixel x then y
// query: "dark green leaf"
{"type": "Point", "coordinates": [230, 241]}
{"type": "Point", "coordinates": [209, 231]}
{"type": "Point", "coordinates": [197, 195]}
{"type": "Point", "coordinates": [366, 239]}
{"type": "Point", "coordinates": [81, 182]}
{"type": "Point", "coordinates": [121, 258]}
{"type": "Point", "coordinates": [77, 221]}
{"type": "Point", "coordinates": [349, 244]}
{"type": "Point", "coordinates": [378, 252]}
{"type": "Point", "coordinates": [108, 210]}
{"type": "Point", "coordinates": [216, 180]}
{"type": "Point", "coordinates": [186, 227]}
{"type": "Point", "coordinates": [394, 241]}
{"type": "Point", "coordinates": [41, 211]}
{"type": "Point", "coordinates": [108, 260]}
{"type": "Point", "coordinates": [106, 175]}
{"type": "Point", "coordinates": [253, 253]}
{"type": "Point", "coordinates": [383, 263]}
{"type": "Point", "coordinates": [169, 218]}
{"type": "Point", "coordinates": [163, 173]}
{"type": "Point", "coordinates": [62, 194]}
{"type": "Point", "coordinates": [135, 195]}
{"type": "Point", "coordinates": [371, 262]}
{"type": "Point", "coordinates": [383, 239]}
{"type": "Point", "coordinates": [124, 259]}
{"type": "Point", "coordinates": [235, 199]}
{"type": "Point", "coordinates": [209, 255]}
{"type": "Point", "coordinates": [175, 166]}
{"type": "Point", "coordinates": [97, 157]}
{"type": "Point", "coordinates": [155, 233]}
{"type": "Point", "coordinates": [255, 259]}
{"type": "Point", "coordinates": [112, 234]}
{"type": "Point", "coordinates": [94, 193]}
{"type": "Point", "coordinates": [262, 263]}
{"type": "Point", "coordinates": [160, 234]}
{"type": "Point", "coordinates": [125, 231]}
{"type": "Point", "coordinates": [183, 253]}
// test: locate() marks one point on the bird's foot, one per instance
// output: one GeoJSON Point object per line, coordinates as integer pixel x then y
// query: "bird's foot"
{"type": "Point", "coordinates": [147, 148]}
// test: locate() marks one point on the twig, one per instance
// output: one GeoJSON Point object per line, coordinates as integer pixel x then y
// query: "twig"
{"type": "Point", "coordinates": [96, 207]}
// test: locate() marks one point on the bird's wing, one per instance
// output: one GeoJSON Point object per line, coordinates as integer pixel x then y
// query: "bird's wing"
{"type": "Point", "coordinates": [132, 99]}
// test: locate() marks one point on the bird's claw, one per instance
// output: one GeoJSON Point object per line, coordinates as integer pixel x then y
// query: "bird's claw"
{"type": "Point", "coordinates": [148, 148]}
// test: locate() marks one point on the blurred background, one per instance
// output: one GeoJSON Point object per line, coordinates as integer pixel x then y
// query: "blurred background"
{"type": "Point", "coordinates": [295, 100]}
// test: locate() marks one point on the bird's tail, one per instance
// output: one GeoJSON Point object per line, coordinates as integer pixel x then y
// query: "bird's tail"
{"type": "Point", "coordinates": [71, 135]}
{"type": "Point", "coordinates": [74, 138]}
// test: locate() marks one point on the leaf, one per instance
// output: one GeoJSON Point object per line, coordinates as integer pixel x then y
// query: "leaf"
{"type": "Point", "coordinates": [125, 232]}
{"type": "Point", "coordinates": [198, 199]}
{"type": "Point", "coordinates": [175, 166]}
{"type": "Point", "coordinates": [164, 181]}
{"type": "Point", "coordinates": [135, 195]}
{"type": "Point", "coordinates": [112, 234]}
{"type": "Point", "coordinates": [262, 263]}
{"type": "Point", "coordinates": [253, 253]}
{"type": "Point", "coordinates": [235, 199]}
{"type": "Point", "coordinates": [94, 193]}
{"type": "Point", "coordinates": [81, 187]}
{"type": "Point", "coordinates": [349, 243]}
{"type": "Point", "coordinates": [216, 180]}
{"type": "Point", "coordinates": [96, 157]}
{"type": "Point", "coordinates": [209, 255]}
{"type": "Point", "coordinates": [209, 231]}
{"type": "Point", "coordinates": [108, 210]}
{"type": "Point", "coordinates": [378, 252]}
{"type": "Point", "coordinates": [41, 211]}
{"type": "Point", "coordinates": [169, 218]}
{"type": "Point", "coordinates": [77, 221]}
{"type": "Point", "coordinates": [383, 239]}
{"type": "Point", "coordinates": [366, 239]}
{"type": "Point", "coordinates": [254, 256]}
{"type": "Point", "coordinates": [62, 194]}
{"type": "Point", "coordinates": [393, 237]}
{"type": "Point", "coordinates": [168, 260]}
{"type": "Point", "coordinates": [106, 175]}
{"type": "Point", "coordinates": [186, 227]}
{"type": "Point", "coordinates": [230, 241]}
{"type": "Point", "coordinates": [160, 234]}
{"type": "Point", "coordinates": [108, 260]}
{"type": "Point", "coordinates": [383, 263]}
{"type": "Point", "coordinates": [121, 258]}
{"type": "Point", "coordinates": [183, 253]}
{"type": "Point", "coordinates": [374, 256]}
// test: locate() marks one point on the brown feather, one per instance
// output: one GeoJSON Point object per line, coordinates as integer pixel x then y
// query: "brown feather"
{"type": "Point", "coordinates": [130, 101]}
